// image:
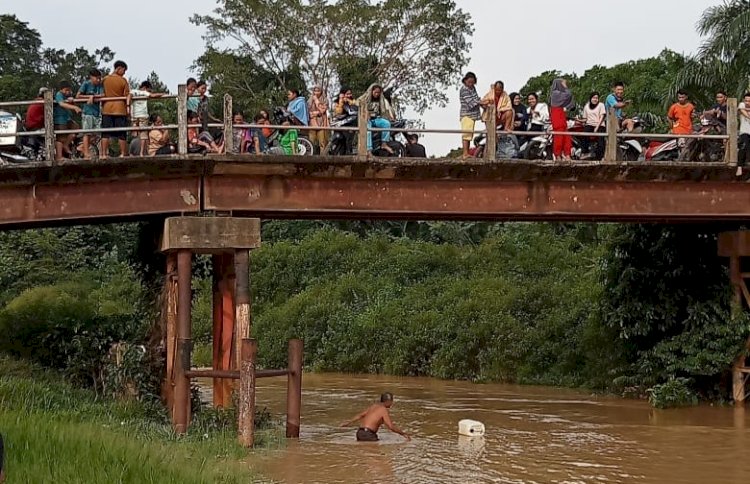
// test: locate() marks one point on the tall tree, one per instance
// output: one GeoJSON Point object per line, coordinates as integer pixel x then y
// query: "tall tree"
{"type": "Point", "coordinates": [723, 60]}
{"type": "Point", "coordinates": [419, 45]}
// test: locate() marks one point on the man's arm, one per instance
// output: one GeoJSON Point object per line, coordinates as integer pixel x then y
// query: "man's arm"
{"type": "Point", "coordinates": [355, 419]}
{"type": "Point", "coordinates": [392, 427]}
{"type": "Point", "coordinates": [745, 110]}
{"type": "Point", "coordinates": [70, 107]}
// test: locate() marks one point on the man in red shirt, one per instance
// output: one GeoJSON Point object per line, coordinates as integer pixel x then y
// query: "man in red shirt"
{"type": "Point", "coordinates": [35, 113]}
{"type": "Point", "coordinates": [681, 114]}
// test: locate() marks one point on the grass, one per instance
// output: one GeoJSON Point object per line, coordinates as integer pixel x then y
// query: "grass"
{"type": "Point", "coordinates": [56, 433]}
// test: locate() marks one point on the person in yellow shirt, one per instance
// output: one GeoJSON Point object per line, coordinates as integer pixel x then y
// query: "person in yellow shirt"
{"type": "Point", "coordinates": [503, 106]}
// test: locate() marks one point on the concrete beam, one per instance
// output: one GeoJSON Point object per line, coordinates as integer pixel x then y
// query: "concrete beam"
{"type": "Point", "coordinates": [210, 235]}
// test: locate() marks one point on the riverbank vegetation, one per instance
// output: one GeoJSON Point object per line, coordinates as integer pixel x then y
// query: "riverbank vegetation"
{"type": "Point", "coordinates": [55, 432]}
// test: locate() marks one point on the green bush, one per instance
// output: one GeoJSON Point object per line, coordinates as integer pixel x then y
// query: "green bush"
{"type": "Point", "coordinates": [676, 392]}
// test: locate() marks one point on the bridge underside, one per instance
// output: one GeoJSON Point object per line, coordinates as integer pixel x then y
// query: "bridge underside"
{"type": "Point", "coordinates": [344, 188]}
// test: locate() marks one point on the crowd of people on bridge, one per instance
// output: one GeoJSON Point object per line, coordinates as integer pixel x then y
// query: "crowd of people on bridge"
{"type": "Point", "coordinates": [108, 102]}
{"type": "Point", "coordinates": [512, 115]}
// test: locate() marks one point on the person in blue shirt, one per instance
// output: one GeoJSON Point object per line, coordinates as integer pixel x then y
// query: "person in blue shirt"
{"type": "Point", "coordinates": [298, 107]}
{"type": "Point", "coordinates": [617, 101]}
{"type": "Point", "coordinates": [91, 90]}
{"type": "Point", "coordinates": [63, 119]}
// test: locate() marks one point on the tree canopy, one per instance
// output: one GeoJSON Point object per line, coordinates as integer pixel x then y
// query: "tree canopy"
{"type": "Point", "coordinates": [415, 45]}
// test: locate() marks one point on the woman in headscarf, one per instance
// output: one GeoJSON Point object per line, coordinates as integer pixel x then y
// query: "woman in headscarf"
{"type": "Point", "coordinates": [318, 107]}
{"type": "Point", "coordinates": [561, 101]}
{"type": "Point", "coordinates": [594, 115]}
{"type": "Point", "coordinates": [381, 114]}
{"type": "Point", "coordinates": [521, 117]}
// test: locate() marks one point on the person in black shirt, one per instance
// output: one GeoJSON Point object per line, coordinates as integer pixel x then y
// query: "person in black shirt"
{"type": "Point", "coordinates": [413, 148]}
{"type": "Point", "coordinates": [720, 108]}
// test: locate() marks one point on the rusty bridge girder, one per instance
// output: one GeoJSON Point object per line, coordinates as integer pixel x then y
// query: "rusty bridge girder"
{"type": "Point", "coordinates": [346, 188]}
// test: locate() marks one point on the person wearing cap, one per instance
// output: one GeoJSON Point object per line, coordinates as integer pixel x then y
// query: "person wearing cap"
{"type": "Point", "coordinates": [471, 107]}
{"type": "Point", "coordinates": [35, 113]}
{"type": "Point", "coordinates": [63, 119]}
{"type": "Point", "coordinates": [373, 418]}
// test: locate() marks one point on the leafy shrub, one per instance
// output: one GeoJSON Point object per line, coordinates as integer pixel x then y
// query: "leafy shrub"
{"type": "Point", "coordinates": [676, 392]}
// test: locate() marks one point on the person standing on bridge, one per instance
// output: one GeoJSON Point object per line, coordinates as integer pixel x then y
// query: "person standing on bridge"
{"type": "Point", "coordinates": [376, 415]}
{"type": "Point", "coordinates": [561, 101]}
{"type": "Point", "coordinates": [471, 110]}
{"type": "Point", "coordinates": [115, 113]}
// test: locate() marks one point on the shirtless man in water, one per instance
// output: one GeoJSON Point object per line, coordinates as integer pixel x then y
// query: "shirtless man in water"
{"type": "Point", "coordinates": [376, 415]}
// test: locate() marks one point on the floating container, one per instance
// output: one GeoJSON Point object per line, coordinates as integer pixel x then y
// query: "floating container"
{"type": "Point", "coordinates": [471, 428]}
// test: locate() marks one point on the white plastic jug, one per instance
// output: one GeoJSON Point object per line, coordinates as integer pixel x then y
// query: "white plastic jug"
{"type": "Point", "coordinates": [471, 428]}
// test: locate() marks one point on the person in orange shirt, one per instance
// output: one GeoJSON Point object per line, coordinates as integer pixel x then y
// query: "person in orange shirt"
{"type": "Point", "coordinates": [681, 114]}
{"type": "Point", "coordinates": [115, 113]}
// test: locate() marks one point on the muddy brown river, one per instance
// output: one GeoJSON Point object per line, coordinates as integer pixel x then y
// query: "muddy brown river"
{"type": "Point", "coordinates": [534, 435]}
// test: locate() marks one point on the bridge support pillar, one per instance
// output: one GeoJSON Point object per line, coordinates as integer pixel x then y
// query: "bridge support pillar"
{"type": "Point", "coordinates": [736, 246]}
{"type": "Point", "coordinates": [228, 241]}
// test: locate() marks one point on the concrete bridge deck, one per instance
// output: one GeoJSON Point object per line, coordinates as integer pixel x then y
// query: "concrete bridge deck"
{"type": "Point", "coordinates": [273, 187]}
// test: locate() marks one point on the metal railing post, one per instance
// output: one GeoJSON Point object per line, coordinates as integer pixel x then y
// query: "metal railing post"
{"type": "Point", "coordinates": [182, 121]}
{"type": "Point", "coordinates": [731, 157]}
{"type": "Point", "coordinates": [228, 125]}
{"type": "Point", "coordinates": [363, 126]}
{"type": "Point", "coordinates": [610, 155]}
{"type": "Point", "coordinates": [49, 126]}
{"type": "Point", "coordinates": [490, 150]}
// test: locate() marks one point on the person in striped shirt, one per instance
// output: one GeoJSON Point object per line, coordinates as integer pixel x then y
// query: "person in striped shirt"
{"type": "Point", "coordinates": [471, 110]}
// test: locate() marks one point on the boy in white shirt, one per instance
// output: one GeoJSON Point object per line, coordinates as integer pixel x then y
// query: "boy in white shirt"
{"type": "Point", "coordinates": [139, 112]}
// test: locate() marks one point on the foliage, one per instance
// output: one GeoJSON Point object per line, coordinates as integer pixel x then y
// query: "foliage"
{"type": "Point", "coordinates": [418, 45]}
{"type": "Point", "coordinates": [723, 61]}
{"type": "Point", "coordinates": [502, 310]}
{"type": "Point", "coordinates": [667, 297]}
{"type": "Point", "coordinates": [73, 325]}
{"type": "Point", "coordinates": [25, 65]}
{"type": "Point", "coordinates": [86, 439]}
{"type": "Point", "coordinates": [676, 392]}
{"type": "Point", "coordinates": [648, 82]}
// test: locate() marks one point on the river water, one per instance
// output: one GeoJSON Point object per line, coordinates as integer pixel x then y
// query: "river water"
{"type": "Point", "coordinates": [534, 435]}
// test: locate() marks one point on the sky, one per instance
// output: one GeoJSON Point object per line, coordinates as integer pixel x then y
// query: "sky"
{"type": "Point", "coordinates": [512, 40]}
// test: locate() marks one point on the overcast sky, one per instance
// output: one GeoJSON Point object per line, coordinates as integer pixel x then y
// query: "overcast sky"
{"type": "Point", "coordinates": [513, 40]}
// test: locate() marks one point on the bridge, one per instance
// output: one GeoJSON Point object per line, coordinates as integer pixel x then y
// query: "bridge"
{"type": "Point", "coordinates": [213, 204]}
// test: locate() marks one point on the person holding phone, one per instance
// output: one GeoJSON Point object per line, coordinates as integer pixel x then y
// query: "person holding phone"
{"type": "Point", "coordinates": [617, 101]}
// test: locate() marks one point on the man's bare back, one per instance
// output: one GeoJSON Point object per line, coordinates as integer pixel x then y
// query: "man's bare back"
{"type": "Point", "coordinates": [371, 420]}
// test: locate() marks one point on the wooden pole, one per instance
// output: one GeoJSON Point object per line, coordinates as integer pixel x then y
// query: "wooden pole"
{"type": "Point", "coordinates": [294, 389]}
{"type": "Point", "coordinates": [248, 354]}
{"type": "Point", "coordinates": [613, 124]}
{"type": "Point", "coordinates": [228, 356]}
{"type": "Point", "coordinates": [363, 125]}
{"type": "Point", "coordinates": [733, 132]}
{"type": "Point", "coordinates": [243, 318]}
{"type": "Point", "coordinates": [181, 416]}
{"type": "Point", "coordinates": [738, 375]}
{"type": "Point", "coordinates": [228, 123]}
{"type": "Point", "coordinates": [49, 126]}
{"type": "Point", "coordinates": [217, 312]}
{"type": "Point", "coordinates": [490, 149]}
{"type": "Point", "coordinates": [182, 121]}
{"type": "Point", "coordinates": [170, 317]}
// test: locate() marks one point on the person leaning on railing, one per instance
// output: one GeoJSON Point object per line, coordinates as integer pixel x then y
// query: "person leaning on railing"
{"type": "Point", "coordinates": [91, 119]}
{"type": "Point", "coordinates": [63, 119]}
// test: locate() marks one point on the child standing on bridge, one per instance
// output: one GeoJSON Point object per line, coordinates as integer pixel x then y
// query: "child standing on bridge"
{"type": "Point", "coordinates": [139, 113]}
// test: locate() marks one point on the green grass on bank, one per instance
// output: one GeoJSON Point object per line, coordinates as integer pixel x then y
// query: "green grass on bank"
{"type": "Point", "coordinates": [56, 433]}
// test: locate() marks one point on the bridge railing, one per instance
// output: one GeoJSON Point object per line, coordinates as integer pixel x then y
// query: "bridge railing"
{"type": "Point", "coordinates": [612, 135]}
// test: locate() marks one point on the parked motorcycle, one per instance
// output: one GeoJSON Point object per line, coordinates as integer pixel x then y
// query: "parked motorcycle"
{"type": "Point", "coordinates": [281, 116]}
{"type": "Point", "coordinates": [18, 149]}
{"type": "Point", "coordinates": [343, 142]}
{"type": "Point", "coordinates": [706, 150]}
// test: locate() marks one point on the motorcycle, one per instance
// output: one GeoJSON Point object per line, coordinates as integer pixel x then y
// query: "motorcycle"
{"type": "Point", "coordinates": [18, 149]}
{"type": "Point", "coordinates": [281, 116]}
{"type": "Point", "coordinates": [342, 142]}
{"type": "Point", "coordinates": [706, 150]}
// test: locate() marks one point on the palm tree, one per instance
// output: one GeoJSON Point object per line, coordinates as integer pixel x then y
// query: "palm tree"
{"type": "Point", "coordinates": [723, 60]}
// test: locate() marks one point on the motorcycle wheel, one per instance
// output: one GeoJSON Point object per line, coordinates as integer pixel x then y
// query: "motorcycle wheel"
{"type": "Point", "coordinates": [335, 148]}
{"type": "Point", "coordinates": [536, 152]}
{"type": "Point", "coordinates": [628, 154]}
{"type": "Point", "coordinates": [304, 147]}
